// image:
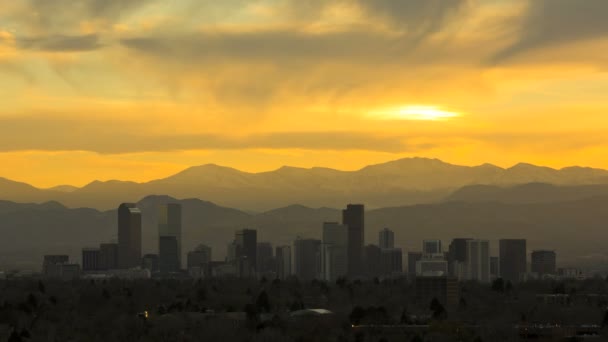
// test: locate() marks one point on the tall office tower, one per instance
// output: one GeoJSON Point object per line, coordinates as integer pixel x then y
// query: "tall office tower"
{"type": "Point", "coordinates": [386, 238]}
{"type": "Point", "coordinates": [51, 266]}
{"type": "Point", "coordinates": [246, 241]}
{"type": "Point", "coordinates": [354, 217]}
{"type": "Point", "coordinates": [334, 257]}
{"type": "Point", "coordinates": [199, 257]}
{"type": "Point", "coordinates": [265, 258]}
{"type": "Point", "coordinates": [457, 256]}
{"type": "Point", "coordinates": [412, 260]}
{"type": "Point", "coordinates": [91, 259]}
{"type": "Point", "coordinates": [544, 262]}
{"type": "Point", "coordinates": [283, 261]}
{"type": "Point", "coordinates": [150, 262]}
{"type": "Point", "coordinates": [431, 248]}
{"type": "Point", "coordinates": [307, 258]}
{"type": "Point", "coordinates": [478, 260]}
{"type": "Point", "coordinates": [373, 261]}
{"type": "Point", "coordinates": [513, 259]}
{"type": "Point", "coordinates": [494, 268]}
{"type": "Point", "coordinates": [129, 236]}
{"type": "Point", "coordinates": [170, 237]}
{"type": "Point", "coordinates": [108, 255]}
{"type": "Point", "coordinates": [392, 261]}
{"type": "Point", "coordinates": [445, 289]}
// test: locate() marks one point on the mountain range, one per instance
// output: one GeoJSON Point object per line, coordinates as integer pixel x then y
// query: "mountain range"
{"type": "Point", "coordinates": [400, 182]}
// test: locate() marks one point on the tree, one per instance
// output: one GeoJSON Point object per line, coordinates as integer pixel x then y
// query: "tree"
{"type": "Point", "coordinates": [438, 310]}
{"type": "Point", "coordinates": [498, 285]}
{"type": "Point", "coordinates": [263, 303]}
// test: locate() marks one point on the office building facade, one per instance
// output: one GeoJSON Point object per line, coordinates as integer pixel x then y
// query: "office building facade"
{"type": "Point", "coordinates": [129, 236]}
{"type": "Point", "coordinates": [544, 262]}
{"type": "Point", "coordinates": [513, 259]}
{"type": "Point", "coordinates": [307, 258]}
{"type": "Point", "coordinates": [354, 217]}
{"type": "Point", "coordinates": [334, 257]}
{"type": "Point", "coordinates": [386, 239]}
{"type": "Point", "coordinates": [283, 261]}
{"type": "Point", "coordinates": [170, 237]}
{"type": "Point", "coordinates": [478, 260]}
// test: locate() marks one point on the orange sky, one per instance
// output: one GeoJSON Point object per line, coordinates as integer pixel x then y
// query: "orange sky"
{"type": "Point", "coordinates": [138, 90]}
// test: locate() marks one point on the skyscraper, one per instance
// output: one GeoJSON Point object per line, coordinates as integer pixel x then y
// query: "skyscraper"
{"type": "Point", "coordinates": [246, 244]}
{"type": "Point", "coordinates": [334, 258]}
{"type": "Point", "coordinates": [457, 256]}
{"type": "Point", "coordinates": [392, 261]}
{"type": "Point", "coordinates": [431, 248]}
{"type": "Point", "coordinates": [354, 217]}
{"type": "Point", "coordinates": [108, 254]}
{"type": "Point", "coordinates": [386, 239]}
{"type": "Point", "coordinates": [544, 262]}
{"type": "Point", "coordinates": [373, 260]}
{"type": "Point", "coordinates": [307, 258]}
{"type": "Point", "coordinates": [513, 259]}
{"type": "Point", "coordinates": [129, 236]}
{"type": "Point", "coordinates": [170, 237]}
{"type": "Point", "coordinates": [265, 258]}
{"type": "Point", "coordinates": [200, 256]}
{"type": "Point", "coordinates": [412, 260]}
{"type": "Point", "coordinates": [478, 260]}
{"type": "Point", "coordinates": [283, 261]}
{"type": "Point", "coordinates": [91, 259]}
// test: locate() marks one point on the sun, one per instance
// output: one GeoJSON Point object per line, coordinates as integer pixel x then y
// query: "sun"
{"type": "Point", "coordinates": [415, 112]}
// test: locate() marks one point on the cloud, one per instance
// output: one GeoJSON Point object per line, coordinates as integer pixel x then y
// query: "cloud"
{"type": "Point", "coordinates": [552, 22]}
{"type": "Point", "coordinates": [105, 137]}
{"type": "Point", "coordinates": [61, 43]}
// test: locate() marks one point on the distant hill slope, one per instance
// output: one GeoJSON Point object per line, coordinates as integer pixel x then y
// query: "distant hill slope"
{"type": "Point", "coordinates": [575, 229]}
{"type": "Point", "coordinates": [401, 182]}
{"type": "Point", "coordinates": [527, 193]}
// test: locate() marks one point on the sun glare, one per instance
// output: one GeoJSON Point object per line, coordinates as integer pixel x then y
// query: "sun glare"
{"type": "Point", "coordinates": [415, 112]}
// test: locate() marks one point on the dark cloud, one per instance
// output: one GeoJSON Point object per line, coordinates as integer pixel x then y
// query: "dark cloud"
{"type": "Point", "coordinates": [418, 17]}
{"type": "Point", "coordinates": [552, 22]}
{"type": "Point", "coordinates": [61, 43]}
{"type": "Point", "coordinates": [106, 137]}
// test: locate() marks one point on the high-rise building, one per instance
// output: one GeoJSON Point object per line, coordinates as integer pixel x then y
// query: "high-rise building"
{"type": "Point", "coordinates": [431, 247]}
{"type": "Point", "coordinates": [444, 288]}
{"type": "Point", "coordinates": [494, 268]}
{"type": "Point", "coordinates": [91, 259]}
{"type": "Point", "coordinates": [544, 262]}
{"type": "Point", "coordinates": [386, 239]}
{"type": "Point", "coordinates": [199, 257]}
{"type": "Point", "coordinates": [51, 265]}
{"type": "Point", "coordinates": [412, 260]}
{"type": "Point", "coordinates": [283, 261]}
{"type": "Point", "coordinates": [168, 248]}
{"type": "Point", "coordinates": [457, 256]}
{"type": "Point", "coordinates": [354, 217]}
{"type": "Point", "coordinates": [334, 258]}
{"type": "Point", "coordinates": [170, 237]}
{"type": "Point", "coordinates": [307, 258]}
{"type": "Point", "coordinates": [392, 261]}
{"type": "Point", "coordinates": [129, 236]}
{"type": "Point", "coordinates": [246, 244]}
{"type": "Point", "coordinates": [373, 260]}
{"type": "Point", "coordinates": [265, 256]}
{"type": "Point", "coordinates": [478, 260]}
{"type": "Point", "coordinates": [108, 255]}
{"type": "Point", "coordinates": [431, 267]}
{"type": "Point", "coordinates": [513, 259]}
{"type": "Point", "coordinates": [150, 262]}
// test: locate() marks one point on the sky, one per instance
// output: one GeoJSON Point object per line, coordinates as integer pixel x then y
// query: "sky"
{"type": "Point", "coordinates": [141, 89]}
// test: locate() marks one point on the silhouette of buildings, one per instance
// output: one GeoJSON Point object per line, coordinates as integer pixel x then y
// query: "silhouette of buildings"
{"type": "Point", "coordinates": [386, 239]}
{"type": "Point", "coordinates": [246, 251]}
{"type": "Point", "coordinates": [478, 260]}
{"type": "Point", "coordinates": [50, 264]}
{"type": "Point", "coordinates": [307, 258]}
{"type": "Point", "coordinates": [373, 260]}
{"type": "Point", "coordinates": [444, 288]}
{"type": "Point", "coordinates": [108, 255]}
{"type": "Point", "coordinates": [412, 260]}
{"type": "Point", "coordinates": [457, 257]}
{"type": "Point", "coordinates": [432, 262]}
{"type": "Point", "coordinates": [432, 248]}
{"type": "Point", "coordinates": [129, 236]}
{"type": "Point", "coordinates": [391, 261]}
{"type": "Point", "coordinates": [169, 237]}
{"type": "Point", "coordinates": [199, 257]}
{"type": "Point", "coordinates": [544, 262]}
{"type": "Point", "coordinates": [494, 268]}
{"type": "Point", "coordinates": [91, 259]}
{"type": "Point", "coordinates": [283, 261]}
{"type": "Point", "coordinates": [150, 262]}
{"type": "Point", "coordinates": [354, 217]}
{"type": "Point", "coordinates": [513, 260]}
{"type": "Point", "coordinates": [334, 258]}
{"type": "Point", "coordinates": [265, 257]}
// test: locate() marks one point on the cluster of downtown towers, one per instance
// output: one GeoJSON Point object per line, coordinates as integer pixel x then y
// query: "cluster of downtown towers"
{"type": "Point", "coordinates": [340, 253]}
